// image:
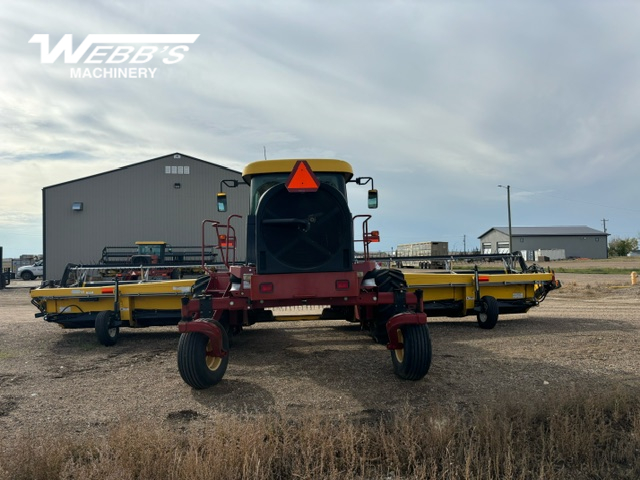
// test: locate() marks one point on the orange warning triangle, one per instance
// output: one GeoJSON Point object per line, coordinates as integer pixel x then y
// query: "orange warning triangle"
{"type": "Point", "coordinates": [302, 178]}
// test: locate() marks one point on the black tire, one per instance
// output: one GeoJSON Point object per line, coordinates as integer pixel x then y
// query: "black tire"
{"type": "Point", "coordinates": [387, 280]}
{"type": "Point", "coordinates": [488, 314]}
{"type": "Point", "coordinates": [230, 329]}
{"type": "Point", "coordinates": [196, 368]}
{"type": "Point", "coordinates": [106, 329]}
{"type": "Point", "coordinates": [27, 275]}
{"type": "Point", "coordinates": [412, 361]}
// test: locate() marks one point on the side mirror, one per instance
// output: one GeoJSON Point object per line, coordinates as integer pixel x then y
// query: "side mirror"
{"type": "Point", "coordinates": [372, 199]}
{"type": "Point", "coordinates": [222, 202]}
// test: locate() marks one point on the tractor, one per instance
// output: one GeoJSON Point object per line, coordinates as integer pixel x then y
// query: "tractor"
{"type": "Point", "coordinates": [300, 251]}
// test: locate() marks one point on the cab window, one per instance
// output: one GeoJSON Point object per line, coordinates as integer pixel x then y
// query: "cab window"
{"type": "Point", "coordinates": [261, 183]}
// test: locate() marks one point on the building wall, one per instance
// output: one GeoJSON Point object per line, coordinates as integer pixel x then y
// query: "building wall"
{"type": "Point", "coordinates": [137, 202]}
{"type": "Point", "coordinates": [581, 246]}
{"type": "Point", "coordinates": [574, 246]}
{"type": "Point", "coordinates": [493, 238]}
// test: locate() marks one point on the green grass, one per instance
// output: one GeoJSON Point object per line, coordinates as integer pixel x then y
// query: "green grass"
{"type": "Point", "coordinates": [574, 436]}
{"type": "Point", "coordinates": [598, 271]}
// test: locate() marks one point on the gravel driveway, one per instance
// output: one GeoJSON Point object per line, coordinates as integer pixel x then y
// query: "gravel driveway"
{"type": "Point", "coordinates": [583, 335]}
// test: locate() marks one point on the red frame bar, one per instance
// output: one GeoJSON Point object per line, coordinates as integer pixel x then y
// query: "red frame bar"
{"type": "Point", "coordinates": [210, 330]}
{"type": "Point", "coordinates": [399, 320]}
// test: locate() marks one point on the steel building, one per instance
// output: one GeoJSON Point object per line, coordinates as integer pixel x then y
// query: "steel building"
{"type": "Point", "coordinates": [162, 199]}
{"type": "Point", "coordinates": [576, 241]}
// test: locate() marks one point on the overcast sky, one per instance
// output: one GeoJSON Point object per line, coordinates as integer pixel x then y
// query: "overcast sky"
{"type": "Point", "coordinates": [439, 101]}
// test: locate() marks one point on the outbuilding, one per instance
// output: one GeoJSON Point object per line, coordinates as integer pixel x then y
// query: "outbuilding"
{"type": "Point", "coordinates": [576, 241]}
{"type": "Point", "coordinates": [162, 199]}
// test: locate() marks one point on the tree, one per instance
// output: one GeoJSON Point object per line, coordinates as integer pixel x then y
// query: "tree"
{"type": "Point", "coordinates": [619, 247]}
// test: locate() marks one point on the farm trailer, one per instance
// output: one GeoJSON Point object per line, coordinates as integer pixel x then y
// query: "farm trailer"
{"type": "Point", "coordinates": [108, 306]}
{"type": "Point", "coordinates": [486, 293]}
{"type": "Point", "coordinates": [419, 254]}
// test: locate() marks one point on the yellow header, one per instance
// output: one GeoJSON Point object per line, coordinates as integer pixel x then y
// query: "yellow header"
{"type": "Point", "coordinates": [318, 165]}
{"type": "Point", "coordinates": [151, 243]}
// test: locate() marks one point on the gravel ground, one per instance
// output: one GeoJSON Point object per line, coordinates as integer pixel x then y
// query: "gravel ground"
{"type": "Point", "coordinates": [583, 335]}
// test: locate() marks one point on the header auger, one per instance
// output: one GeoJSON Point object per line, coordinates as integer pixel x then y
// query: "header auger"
{"type": "Point", "coordinates": [300, 252]}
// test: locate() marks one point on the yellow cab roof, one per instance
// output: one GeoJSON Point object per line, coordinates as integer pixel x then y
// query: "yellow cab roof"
{"type": "Point", "coordinates": [286, 165]}
{"type": "Point", "coordinates": [151, 243]}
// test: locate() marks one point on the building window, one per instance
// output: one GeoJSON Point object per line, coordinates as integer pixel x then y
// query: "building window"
{"type": "Point", "coordinates": [503, 247]}
{"type": "Point", "coordinates": [486, 248]}
{"type": "Point", "coordinates": [177, 169]}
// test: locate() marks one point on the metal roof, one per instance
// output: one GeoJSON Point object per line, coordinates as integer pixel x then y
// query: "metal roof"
{"type": "Point", "coordinates": [173, 156]}
{"type": "Point", "coordinates": [286, 165]}
{"type": "Point", "coordinates": [560, 231]}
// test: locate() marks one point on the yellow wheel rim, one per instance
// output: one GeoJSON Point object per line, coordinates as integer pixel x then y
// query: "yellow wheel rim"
{"type": "Point", "coordinates": [399, 352]}
{"type": "Point", "coordinates": [212, 362]}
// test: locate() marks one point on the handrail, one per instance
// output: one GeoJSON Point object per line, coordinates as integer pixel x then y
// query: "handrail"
{"type": "Point", "coordinates": [226, 242]}
{"type": "Point", "coordinates": [367, 237]}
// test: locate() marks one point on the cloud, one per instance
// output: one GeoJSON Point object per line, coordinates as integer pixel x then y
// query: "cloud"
{"type": "Point", "coordinates": [438, 101]}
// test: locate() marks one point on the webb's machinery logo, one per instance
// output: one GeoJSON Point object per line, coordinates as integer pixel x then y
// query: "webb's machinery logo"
{"type": "Point", "coordinates": [120, 52]}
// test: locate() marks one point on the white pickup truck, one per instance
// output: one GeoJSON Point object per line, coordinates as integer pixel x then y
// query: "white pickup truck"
{"type": "Point", "coordinates": [29, 272]}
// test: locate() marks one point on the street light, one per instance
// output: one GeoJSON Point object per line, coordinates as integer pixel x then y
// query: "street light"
{"type": "Point", "coordinates": [508, 187]}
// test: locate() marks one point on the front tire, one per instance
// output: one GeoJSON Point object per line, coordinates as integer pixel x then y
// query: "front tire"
{"type": "Point", "coordinates": [106, 329]}
{"type": "Point", "coordinates": [489, 311]}
{"type": "Point", "coordinates": [198, 369]}
{"type": "Point", "coordinates": [412, 361]}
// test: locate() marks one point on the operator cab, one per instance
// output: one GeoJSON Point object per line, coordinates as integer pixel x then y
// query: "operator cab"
{"type": "Point", "coordinates": [150, 253]}
{"type": "Point", "coordinates": [261, 176]}
{"type": "Point", "coordinates": [299, 219]}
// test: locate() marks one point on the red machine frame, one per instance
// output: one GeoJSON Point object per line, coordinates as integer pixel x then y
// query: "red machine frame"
{"type": "Point", "coordinates": [239, 290]}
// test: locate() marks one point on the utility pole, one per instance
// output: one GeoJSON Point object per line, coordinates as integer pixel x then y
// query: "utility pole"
{"type": "Point", "coordinates": [606, 240]}
{"type": "Point", "coordinates": [508, 187]}
{"type": "Point", "coordinates": [464, 243]}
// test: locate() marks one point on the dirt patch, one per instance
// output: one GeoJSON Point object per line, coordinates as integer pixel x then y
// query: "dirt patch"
{"type": "Point", "coordinates": [586, 334]}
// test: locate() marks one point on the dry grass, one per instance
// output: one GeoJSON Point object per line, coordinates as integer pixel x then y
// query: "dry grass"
{"type": "Point", "coordinates": [577, 436]}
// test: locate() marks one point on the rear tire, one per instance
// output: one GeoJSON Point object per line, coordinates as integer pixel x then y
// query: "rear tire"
{"type": "Point", "coordinates": [198, 369]}
{"type": "Point", "coordinates": [27, 275]}
{"type": "Point", "coordinates": [106, 329]}
{"type": "Point", "coordinates": [412, 361]}
{"type": "Point", "coordinates": [489, 311]}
